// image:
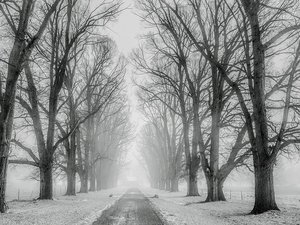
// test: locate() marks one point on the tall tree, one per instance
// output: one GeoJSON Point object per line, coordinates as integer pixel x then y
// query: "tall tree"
{"type": "Point", "coordinates": [23, 44]}
{"type": "Point", "coordinates": [56, 52]}
{"type": "Point", "coordinates": [264, 149]}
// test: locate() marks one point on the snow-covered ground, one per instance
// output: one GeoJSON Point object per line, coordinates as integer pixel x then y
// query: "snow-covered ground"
{"type": "Point", "coordinates": [180, 210]}
{"type": "Point", "coordinates": [82, 209]}
{"type": "Point", "coordinates": [177, 209]}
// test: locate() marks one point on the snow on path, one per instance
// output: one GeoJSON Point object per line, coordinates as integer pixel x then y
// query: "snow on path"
{"type": "Point", "coordinates": [82, 209]}
{"type": "Point", "coordinates": [181, 210]}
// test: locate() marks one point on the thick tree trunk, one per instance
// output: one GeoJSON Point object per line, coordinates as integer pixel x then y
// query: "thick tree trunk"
{"type": "Point", "coordinates": [46, 187]}
{"type": "Point", "coordinates": [6, 123]}
{"type": "Point", "coordinates": [192, 186]}
{"type": "Point", "coordinates": [71, 179]}
{"type": "Point", "coordinates": [220, 190]}
{"type": "Point", "coordinates": [214, 189]}
{"type": "Point", "coordinates": [83, 182]}
{"type": "Point", "coordinates": [192, 181]}
{"type": "Point", "coordinates": [264, 189]}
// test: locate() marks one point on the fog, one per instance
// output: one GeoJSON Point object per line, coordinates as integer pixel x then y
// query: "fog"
{"type": "Point", "coordinates": [126, 33]}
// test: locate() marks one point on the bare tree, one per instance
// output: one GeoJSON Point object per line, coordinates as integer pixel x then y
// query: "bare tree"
{"type": "Point", "coordinates": [250, 27]}
{"type": "Point", "coordinates": [162, 139]}
{"type": "Point", "coordinates": [56, 52]}
{"type": "Point", "coordinates": [23, 45]}
{"type": "Point", "coordinates": [112, 138]}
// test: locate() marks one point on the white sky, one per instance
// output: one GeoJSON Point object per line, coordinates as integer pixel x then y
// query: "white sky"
{"type": "Point", "coordinates": [125, 32]}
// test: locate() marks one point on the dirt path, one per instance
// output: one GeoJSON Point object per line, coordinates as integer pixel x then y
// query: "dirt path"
{"type": "Point", "coordinates": [133, 208]}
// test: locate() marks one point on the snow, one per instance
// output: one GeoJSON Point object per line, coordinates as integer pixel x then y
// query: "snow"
{"type": "Point", "coordinates": [176, 209]}
{"type": "Point", "coordinates": [82, 209]}
{"type": "Point", "coordinates": [180, 210]}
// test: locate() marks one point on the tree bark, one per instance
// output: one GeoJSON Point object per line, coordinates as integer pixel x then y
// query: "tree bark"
{"type": "Point", "coordinates": [71, 159]}
{"type": "Point", "coordinates": [214, 189]}
{"type": "Point", "coordinates": [46, 187]}
{"type": "Point", "coordinates": [4, 150]}
{"type": "Point", "coordinates": [84, 182]}
{"type": "Point", "coordinates": [263, 157]}
{"type": "Point", "coordinates": [71, 175]}
{"type": "Point", "coordinates": [192, 182]}
{"type": "Point", "coordinates": [92, 178]}
{"type": "Point", "coordinates": [264, 188]}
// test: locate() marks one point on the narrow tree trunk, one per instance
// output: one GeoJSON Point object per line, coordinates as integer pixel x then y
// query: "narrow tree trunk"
{"type": "Point", "coordinates": [161, 184]}
{"type": "Point", "coordinates": [71, 167]}
{"type": "Point", "coordinates": [81, 168]}
{"type": "Point", "coordinates": [174, 184]}
{"type": "Point", "coordinates": [4, 149]}
{"type": "Point", "coordinates": [98, 179]}
{"type": "Point", "coordinates": [194, 164]}
{"type": "Point", "coordinates": [98, 176]}
{"type": "Point", "coordinates": [168, 184]}
{"type": "Point", "coordinates": [264, 189]}
{"type": "Point", "coordinates": [92, 179]}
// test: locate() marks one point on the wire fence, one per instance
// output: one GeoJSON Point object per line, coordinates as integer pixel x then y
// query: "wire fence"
{"type": "Point", "coordinates": [20, 194]}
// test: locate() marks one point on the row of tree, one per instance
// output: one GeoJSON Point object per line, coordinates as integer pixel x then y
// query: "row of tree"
{"type": "Point", "coordinates": [222, 86]}
{"type": "Point", "coordinates": [61, 93]}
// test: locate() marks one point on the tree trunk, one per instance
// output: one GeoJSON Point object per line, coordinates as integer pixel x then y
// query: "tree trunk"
{"type": "Point", "coordinates": [98, 176]}
{"type": "Point", "coordinates": [6, 123]}
{"type": "Point", "coordinates": [4, 149]}
{"type": "Point", "coordinates": [71, 179]}
{"type": "Point", "coordinates": [46, 188]}
{"type": "Point", "coordinates": [214, 189]}
{"type": "Point", "coordinates": [98, 179]}
{"type": "Point", "coordinates": [168, 184]}
{"type": "Point", "coordinates": [263, 161]}
{"type": "Point", "coordinates": [220, 190]}
{"type": "Point", "coordinates": [81, 167]}
{"type": "Point", "coordinates": [192, 181]}
{"type": "Point", "coordinates": [83, 182]}
{"type": "Point", "coordinates": [161, 184]}
{"type": "Point", "coordinates": [174, 185]}
{"type": "Point", "coordinates": [264, 189]}
{"type": "Point", "coordinates": [92, 179]}
{"type": "Point", "coordinates": [192, 186]}
{"type": "Point", "coordinates": [71, 167]}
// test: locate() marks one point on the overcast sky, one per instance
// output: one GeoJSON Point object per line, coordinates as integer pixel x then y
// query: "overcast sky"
{"type": "Point", "coordinates": [125, 31]}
